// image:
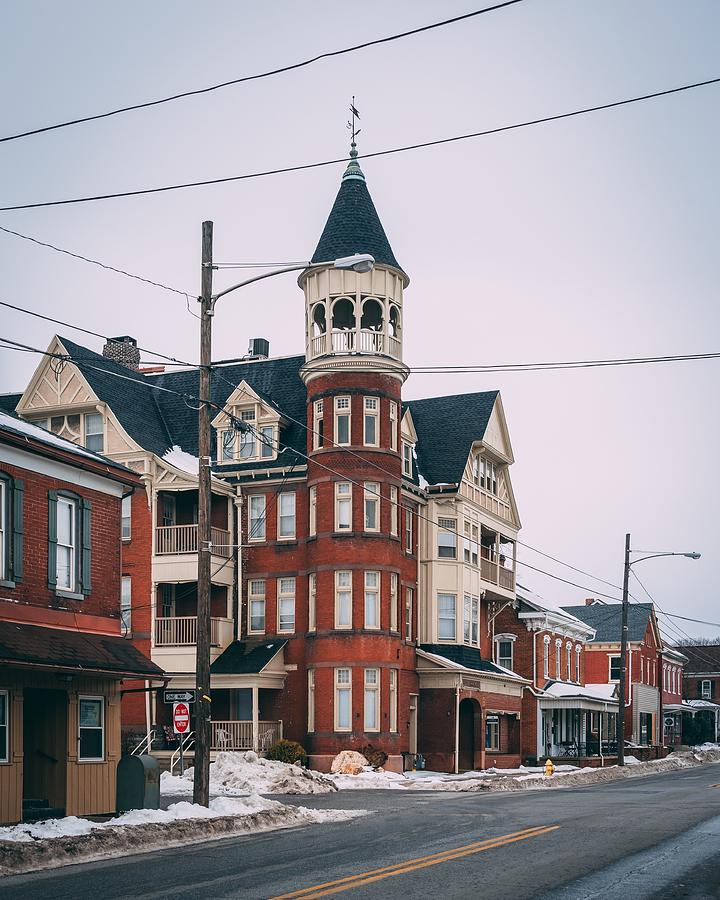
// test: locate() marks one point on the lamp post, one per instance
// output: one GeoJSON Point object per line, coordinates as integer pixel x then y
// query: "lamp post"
{"type": "Point", "coordinates": [359, 262]}
{"type": "Point", "coordinates": [624, 636]}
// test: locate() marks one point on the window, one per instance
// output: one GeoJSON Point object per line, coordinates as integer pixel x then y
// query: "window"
{"type": "Point", "coordinates": [372, 506]}
{"type": "Point", "coordinates": [11, 528]}
{"type": "Point", "coordinates": [578, 651]}
{"type": "Point", "coordinates": [311, 700]}
{"type": "Point", "coordinates": [342, 421]}
{"type": "Point", "coordinates": [286, 605]}
{"type": "Point", "coordinates": [319, 429]}
{"type": "Point", "coordinates": [393, 692]}
{"type": "Point", "coordinates": [371, 431]}
{"type": "Point", "coordinates": [492, 733]}
{"type": "Point", "coordinates": [267, 442]}
{"type": "Point", "coordinates": [408, 614]}
{"type": "Point", "coordinates": [393, 510]}
{"type": "Point", "coordinates": [312, 506]}
{"type": "Point", "coordinates": [475, 621]}
{"type": "Point", "coordinates": [407, 450]}
{"type": "Point", "coordinates": [343, 699]}
{"type": "Point", "coordinates": [467, 607]}
{"type": "Point", "coordinates": [474, 545]}
{"type": "Point", "coordinates": [408, 530]}
{"type": "Point", "coordinates": [126, 527]}
{"type": "Point", "coordinates": [546, 657]}
{"type": "Point", "coordinates": [94, 432]}
{"type": "Point", "coordinates": [343, 599]}
{"type": "Point", "coordinates": [372, 599]}
{"type": "Point", "coordinates": [393, 425]}
{"type": "Point", "coordinates": [227, 442]}
{"type": "Point", "coordinates": [91, 722]}
{"type": "Point", "coordinates": [312, 601]}
{"type": "Point", "coordinates": [504, 653]}
{"type": "Point", "coordinates": [125, 604]}
{"type": "Point", "coordinates": [343, 506]}
{"type": "Point", "coordinates": [446, 617]}
{"type": "Point", "coordinates": [66, 546]}
{"type": "Point", "coordinates": [256, 600]}
{"type": "Point", "coordinates": [706, 690]}
{"type": "Point", "coordinates": [167, 601]}
{"type": "Point", "coordinates": [286, 517]}
{"type": "Point", "coordinates": [558, 660]}
{"type": "Point", "coordinates": [447, 538]}
{"type": "Point", "coordinates": [258, 517]}
{"type": "Point", "coordinates": [393, 601]}
{"type": "Point", "coordinates": [614, 668]}
{"type": "Point", "coordinates": [568, 661]}
{"type": "Point", "coordinates": [4, 743]}
{"type": "Point", "coordinates": [488, 476]}
{"type": "Point", "coordinates": [372, 700]}
{"type": "Point", "coordinates": [248, 435]}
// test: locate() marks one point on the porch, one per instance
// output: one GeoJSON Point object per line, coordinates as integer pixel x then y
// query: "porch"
{"type": "Point", "coordinates": [577, 734]}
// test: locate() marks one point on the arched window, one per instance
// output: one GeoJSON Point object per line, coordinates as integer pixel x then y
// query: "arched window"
{"type": "Point", "coordinates": [343, 314]}
{"type": "Point", "coordinates": [372, 315]}
{"type": "Point", "coordinates": [319, 322]}
{"type": "Point", "coordinates": [394, 321]}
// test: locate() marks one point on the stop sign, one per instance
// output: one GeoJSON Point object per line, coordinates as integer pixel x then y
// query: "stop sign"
{"type": "Point", "coordinates": [181, 718]}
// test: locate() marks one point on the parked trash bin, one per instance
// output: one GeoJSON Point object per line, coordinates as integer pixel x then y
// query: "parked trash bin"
{"type": "Point", "coordinates": [138, 783]}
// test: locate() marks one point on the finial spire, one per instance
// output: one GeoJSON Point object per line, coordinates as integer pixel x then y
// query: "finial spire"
{"type": "Point", "coordinates": [353, 170]}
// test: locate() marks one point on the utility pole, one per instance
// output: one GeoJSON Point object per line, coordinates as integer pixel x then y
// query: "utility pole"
{"type": "Point", "coordinates": [623, 657]}
{"type": "Point", "coordinates": [201, 784]}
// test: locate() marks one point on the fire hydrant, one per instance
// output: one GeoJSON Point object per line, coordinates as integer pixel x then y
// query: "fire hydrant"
{"type": "Point", "coordinates": [549, 767]}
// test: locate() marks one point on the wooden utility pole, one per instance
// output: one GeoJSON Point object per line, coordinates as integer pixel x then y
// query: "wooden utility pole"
{"type": "Point", "coordinates": [201, 785]}
{"type": "Point", "coordinates": [623, 658]}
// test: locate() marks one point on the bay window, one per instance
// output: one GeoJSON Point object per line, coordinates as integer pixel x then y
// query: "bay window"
{"type": "Point", "coordinates": [393, 425]}
{"type": "Point", "coordinates": [372, 599]}
{"type": "Point", "coordinates": [343, 599]}
{"type": "Point", "coordinates": [343, 699]}
{"type": "Point", "coordinates": [394, 602]}
{"type": "Point", "coordinates": [371, 430]}
{"type": "Point", "coordinates": [393, 692]}
{"type": "Point", "coordinates": [447, 538]}
{"type": "Point", "coordinates": [372, 506]}
{"type": "Point", "coordinates": [343, 506]}
{"type": "Point", "coordinates": [446, 617]}
{"type": "Point", "coordinates": [318, 426]}
{"type": "Point", "coordinates": [372, 700]}
{"type": "Point", "coordinates": [343, 432]}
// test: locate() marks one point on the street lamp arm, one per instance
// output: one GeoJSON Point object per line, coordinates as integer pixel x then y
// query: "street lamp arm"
{"type": "Point", "coordinates": [216, 297]}
{"type": "Point", "coordinates": [692, 555]}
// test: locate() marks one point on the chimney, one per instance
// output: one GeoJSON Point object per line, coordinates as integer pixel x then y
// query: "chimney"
{"type": "Point", "coordinates": [259, 348]}
{"type": "Point", "coordinates": [589, 601]}
{"type": "Point", "coordinates": [123, 350]}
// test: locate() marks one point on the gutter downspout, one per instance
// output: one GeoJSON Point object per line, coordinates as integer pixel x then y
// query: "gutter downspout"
{"type": "Point", "coordinates": [457, 726]}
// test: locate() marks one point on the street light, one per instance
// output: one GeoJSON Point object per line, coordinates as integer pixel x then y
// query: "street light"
{"type": "Point", "coordinates": [624, 634]}
{"type": "Point", "coordinates": [359, 262]}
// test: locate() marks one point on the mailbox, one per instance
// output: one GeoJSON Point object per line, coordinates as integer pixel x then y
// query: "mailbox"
{"type": "Point", "coordinates": [138, 783]}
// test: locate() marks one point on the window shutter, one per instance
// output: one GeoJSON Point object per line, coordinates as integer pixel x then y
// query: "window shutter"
{"type": "Point", "coordinates": [52, 540]}
{"type": "Point", "coordinates": [86, 561]}
{"type": "Point", "coordinates": [699, 688]}
{"type": "Point", "coordinates": [17, 535]}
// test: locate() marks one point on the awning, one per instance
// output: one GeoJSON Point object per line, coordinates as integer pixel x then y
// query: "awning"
{"type": "Point", "coordinates": [81, 652]}
{"type": "Point", "coordinates": [246, 657]}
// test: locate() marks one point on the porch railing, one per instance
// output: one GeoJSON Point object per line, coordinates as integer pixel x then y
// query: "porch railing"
{"type": "Point", "coordinates": [181, 631]}
{"type": "Point", "coordinates": [490, 571]}
{"type": "Point", "coordinates": [237, 735]}
{"type": "Point", "coordinates": [178, 539]}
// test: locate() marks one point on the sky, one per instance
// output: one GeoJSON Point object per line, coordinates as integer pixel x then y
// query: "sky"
{"type": "Point", "coordinates": [593, 237]}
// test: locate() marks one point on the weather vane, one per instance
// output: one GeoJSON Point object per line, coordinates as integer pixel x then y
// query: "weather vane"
{"type": "Point", "coordinates": [354, 132]}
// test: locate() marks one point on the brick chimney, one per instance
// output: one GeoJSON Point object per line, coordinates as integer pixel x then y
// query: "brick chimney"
{"type": "Point", "coordinates": [123, 350]}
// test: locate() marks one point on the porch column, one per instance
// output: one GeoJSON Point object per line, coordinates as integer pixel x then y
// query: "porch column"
{"type": "Point", "coordinates": [255, 728]}
{"type": "Point", "coordinates": [483, 713]}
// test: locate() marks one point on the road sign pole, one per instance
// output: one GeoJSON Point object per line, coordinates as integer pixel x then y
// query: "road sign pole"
{"type": "Point", "coordinates": [182, 756]}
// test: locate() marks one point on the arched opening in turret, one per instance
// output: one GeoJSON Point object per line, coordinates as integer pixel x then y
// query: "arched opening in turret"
{"type": "Point", "coordinates": [372, 315]}
{"type": "Point", "coordinates": [343, 324]}
{"type": "Point", "coordinates": [319, 321]}
{"type": "Point", "coordinates": [394, 331]}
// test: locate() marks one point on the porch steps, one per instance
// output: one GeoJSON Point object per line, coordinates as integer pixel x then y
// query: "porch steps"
{"type": "Point", "coordinates": [38, 810]}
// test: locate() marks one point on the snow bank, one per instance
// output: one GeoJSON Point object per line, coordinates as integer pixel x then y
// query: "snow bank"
{"type": "Point", "coordinates": [370, 779]}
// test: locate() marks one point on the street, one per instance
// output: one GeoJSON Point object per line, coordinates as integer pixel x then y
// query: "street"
{"type": "Point", "coordinates": [646, 837]}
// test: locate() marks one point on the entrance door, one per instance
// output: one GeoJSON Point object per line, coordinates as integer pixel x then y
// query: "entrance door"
{"type": "Point", "coordinates": [45, 714]}
{"type": "Point", "coordinates": [466, 745]}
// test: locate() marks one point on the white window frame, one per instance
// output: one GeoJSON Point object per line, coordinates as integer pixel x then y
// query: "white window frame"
{"type": "Point", "coordinates": [394, 510]}
{"type": "Point", "coordinates": [343, 687]}
{"type": "Point", "coordinates": [467, 619]}
{"type": "Point", "coordinates": [72, 586]}
{"type": "Point", "coordinates": [371, 504]}
{"type": "Point", "coordinates": [558, 660]}
{"type": "Point", "coordinates": [318, 425]}
{"type": "Point", "coordinates": [312, 511]}
{"type": "Point", "coordinates": [371, 701]}
{"type": "Point", "coordinates": [5, 725]}
{"type": "Point", "coordinates": [93, 434]}
{"type": "Point", "coordinates": [505, 639]}
{"type": "Point", "coordinates": [546, 657]}
{"type": "Point", "coordinates": [371, 417]}
{"type": "Point", "coordinates": [311, 700]}
{"type": "Point", "coordinates": [611, 657]}
{"type": "Point", "coordinates": [568, 661]}
{"type": "Point", "coordinates": [81, 728]}
{"type": "Point", "coordinates": [126, 517]}
{"type": "Point", "coordinates": [393, 699]}
{"type": "Point", "coordinates": [578, 652]}
{"type": "Point", "coordinates": [407, 449]}
{"type": "Point", "coordinates": [312, 601]}
{"type": "Point", "coordinates": [257, 597]}
{"type": "Point", "coordinates": [475, 621]}
{"type": "Point", "coordinates": [343, 412]}
{"type": "Point", "coordinates": [409, 598]}
{"type": "Point", "coordinates": [282, 514]}
{"type": "Point", "coordinates": [371, 599]}
{"type": "Point", "coordinates": [393, 425]}
{"type": "Point", "coordinates": [343, 496]}
{"type": "Point", "coordinates": [247, 440]}
{"type": "Point", "coordinates": [394, 617]}
{"type": "Point", "coordinates": [446, 615]}
{"type": "Point", "coordinates": [126, 604]}
{"type": "Point", "coordinates": [257, 517]}
{"type": "Point", "coordinates": [447, 538]}
{"type": "Point", "coordinates": [343, 595]}
{"type": "Point", "coordinates": [492, 731]}
{"type": "Point", "coordinates": [706, 694]}
{"type": "Point", "coordinates": [285, 595]}
{"type": "Point", "coordinates": [409, 542]}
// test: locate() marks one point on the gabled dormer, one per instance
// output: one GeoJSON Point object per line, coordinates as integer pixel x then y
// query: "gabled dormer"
{"type": "Point", "coordinates": [248, 428]}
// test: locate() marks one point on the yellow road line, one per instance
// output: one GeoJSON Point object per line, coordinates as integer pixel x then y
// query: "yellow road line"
{"type": "Point", "coordinates": [410, 865]}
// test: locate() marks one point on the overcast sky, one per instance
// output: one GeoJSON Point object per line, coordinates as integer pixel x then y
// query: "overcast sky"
{"type": "Point", "coordinates": [593, 237]}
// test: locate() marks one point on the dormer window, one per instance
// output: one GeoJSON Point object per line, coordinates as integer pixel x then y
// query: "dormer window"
{"type": "Point", "coordinates": [245, 440]}
{"type": "Point", "coordinates": [485, 474]}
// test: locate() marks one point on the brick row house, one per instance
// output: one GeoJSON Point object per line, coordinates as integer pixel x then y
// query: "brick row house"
{"type": "Point", "coordinates": [701, 693]}
{"type": "Point", "coordinates": [673, 667]}
{"type": "Point", "coordinates": [63, 659]}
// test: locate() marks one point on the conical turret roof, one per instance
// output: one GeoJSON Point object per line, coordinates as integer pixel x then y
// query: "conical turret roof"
{"type": "Point", "coordinates": [353, 225]}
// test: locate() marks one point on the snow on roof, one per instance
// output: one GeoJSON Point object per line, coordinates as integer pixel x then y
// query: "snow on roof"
{"type": "Point", "coordinates": [591, 691]}
{"type": "Point", "coordinates": [181, 460]}
{"type": "Point", "coordinates": [700, 704]}
{"type": "Point", "coordinates": [534, 599]}
{"type": "Point", "coordinates": [20, 426]}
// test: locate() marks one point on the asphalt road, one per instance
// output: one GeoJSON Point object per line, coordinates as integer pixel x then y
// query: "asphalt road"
{"type": "Point", "coordinates": [645, 837]}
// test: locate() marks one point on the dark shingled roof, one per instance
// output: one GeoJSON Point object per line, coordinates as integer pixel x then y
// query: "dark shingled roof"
{"type": "Point", "coordinates": [606, 619]}
{"type": "Point", "coordinates": [246, 657]}
{"type": "Point", "coordinates": [463, 656]}
{"type": "Point", "coordinates": [80, 651]}
{"type": "Point", "coordinates": [446, 428]}
{"type": "Point", "coordinates": [8, 402]}
{"type": "Point", "coordinates": [701, 658]}
{"type": "Point", "coordinates": [353, 225]}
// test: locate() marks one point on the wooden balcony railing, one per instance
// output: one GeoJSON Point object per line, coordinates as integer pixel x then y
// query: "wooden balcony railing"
{"type": "Point", "coordinates": [238, 735]}
{"type": "Point", "coordinates": [181, 631]}
{"type": "Point", "coordinates": [179, 539]}
{"type": "Point", "coordinates": [490, 571]}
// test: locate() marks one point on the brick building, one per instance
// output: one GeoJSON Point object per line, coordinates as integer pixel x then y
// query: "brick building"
{"type": "Point", "coordinates": [701, 693]}
{"type": "Point", "coordinates": [63, 657]}
{"type": "Point", "coordinates": [673, 663]}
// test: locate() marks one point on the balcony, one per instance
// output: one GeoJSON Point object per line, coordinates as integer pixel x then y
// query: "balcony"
{"type": "Point", "coordinates": [496, 574]}
{"type": "Point", "coordinates": [178, 539]}
{"type": "Point", "coordinates": [355, 341]}
{"type": "Point", "coordinates": [181, 631]}
{"type": "Point", "coordinates": [176, 554]}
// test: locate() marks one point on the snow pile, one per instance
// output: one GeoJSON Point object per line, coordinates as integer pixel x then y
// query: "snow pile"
{"type": "Point", "coordinates": [181, 460]}
{"type": "Point", "coordinates": [234, 774]}
{"type": "Point", "coordinates": [370, 779]}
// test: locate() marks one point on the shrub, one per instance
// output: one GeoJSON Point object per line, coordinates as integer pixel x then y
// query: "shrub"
{"type": "Point", "coordinates": [288, 752]}
{"type": "Point", "coordinates": [376, 758]}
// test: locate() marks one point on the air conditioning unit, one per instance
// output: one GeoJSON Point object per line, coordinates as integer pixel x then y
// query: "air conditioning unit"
{"type": "Point", "coordinates": [259, 348]}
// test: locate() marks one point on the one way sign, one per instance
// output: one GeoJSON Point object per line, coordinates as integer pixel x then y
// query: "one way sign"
{"type": "Point", "coordinates": [184, 696]}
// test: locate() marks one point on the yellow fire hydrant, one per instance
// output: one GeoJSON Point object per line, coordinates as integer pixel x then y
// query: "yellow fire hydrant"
{"type": "Point", "coordinates": [549, 767]}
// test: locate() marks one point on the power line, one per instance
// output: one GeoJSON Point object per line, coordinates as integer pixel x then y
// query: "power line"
{"type": "Point", "coordinates": [288, 68]}
{"type": "Point", "coordinates": [378, 153]}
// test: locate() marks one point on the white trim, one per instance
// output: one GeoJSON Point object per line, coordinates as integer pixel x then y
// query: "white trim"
{"type": "Point", "coordinates": [371, 691]}
{"type": "Point", "coordinates": [342, 687]}
{"type": "Point", "coordinates": [31, 462]}
{"type": "Point", "coordinates": [92, 759]}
